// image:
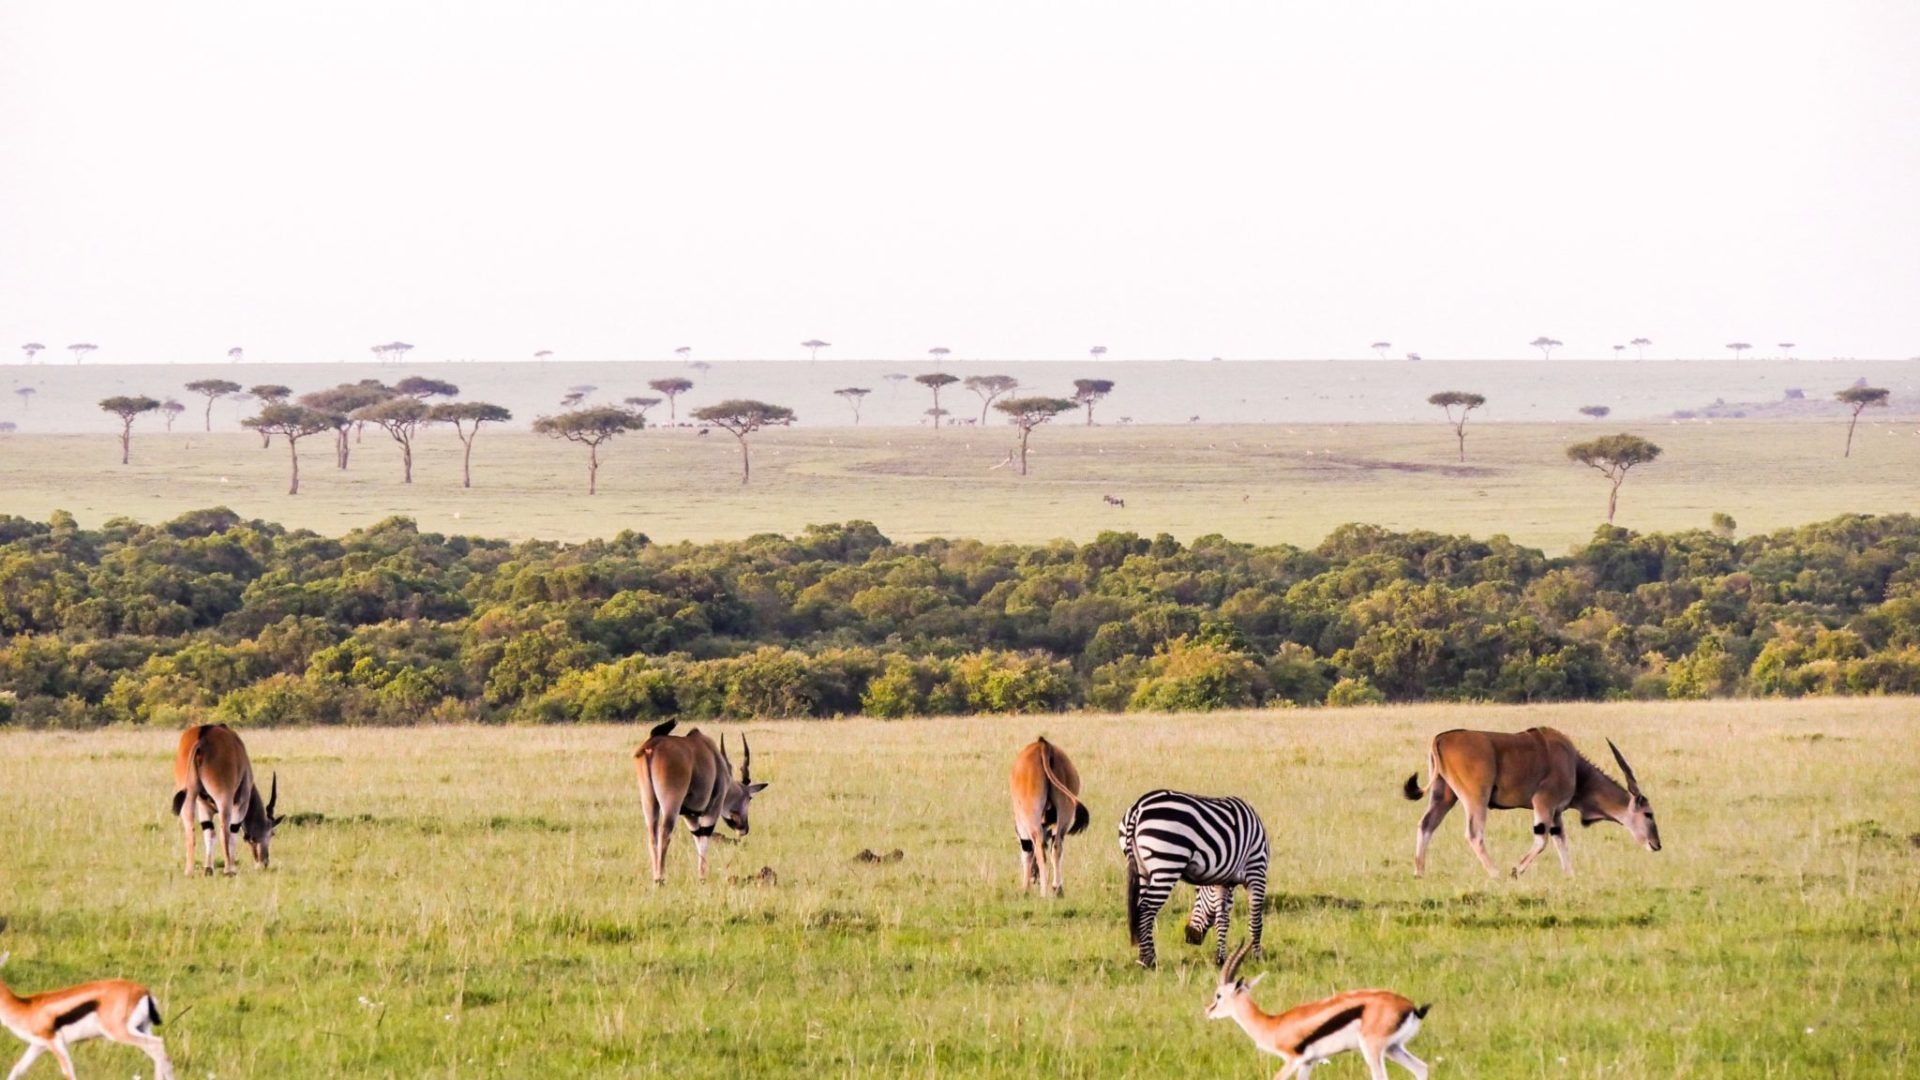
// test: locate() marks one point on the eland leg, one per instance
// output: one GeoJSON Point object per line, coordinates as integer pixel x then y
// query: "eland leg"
{"type": "Point", "coordinates": [1542, 814]}
{"type": "Point", "coordinates": [1559, 835]}
{"type": "Point", "coordinates": [1477, 836]}
{"type": "Point", "coordinates": [1439, 802]}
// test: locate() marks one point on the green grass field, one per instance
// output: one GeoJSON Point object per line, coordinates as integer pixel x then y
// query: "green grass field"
{"type": "Point", "coordinates": [472, 902]}
{"type": "Point", "coordinates": [1250, 483]}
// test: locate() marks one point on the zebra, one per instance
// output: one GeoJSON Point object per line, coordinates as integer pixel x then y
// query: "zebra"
{"type": "Point", "coordinates": [1169, 836]}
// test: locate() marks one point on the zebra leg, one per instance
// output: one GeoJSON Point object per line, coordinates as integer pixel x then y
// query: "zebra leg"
{"type": "Point", "coordinates": [1206, 904]}
{"type": "Point", "coordinates": [1220, 923]}
{"type": "Point", "coordinates": [1257, 905]}
{"type": "Point", "coordinates": [1153, 896]}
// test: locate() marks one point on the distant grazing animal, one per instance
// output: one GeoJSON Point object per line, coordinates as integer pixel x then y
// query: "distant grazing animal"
{"type": "Point", "coordinates": [1168, 837]}
{"type": "Point", "coordinates": [688, 776]}
{"type": "Point", "coordinates": [213, 785]}
{"type": "Point", "coordinates": [1537, 768]}
{"type": "Point", "coordinates": [1112, 500]}
{"type": "Point", "coordinates": [1377, 1023]}
{"type": "Point", "coordinates": [1046, 810]}
{"type": "Point", "coordinates": [52, 1022]}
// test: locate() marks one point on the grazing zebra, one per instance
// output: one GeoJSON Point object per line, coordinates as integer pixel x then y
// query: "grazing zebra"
{"type": "Point", "coordinates": [1168, 836]}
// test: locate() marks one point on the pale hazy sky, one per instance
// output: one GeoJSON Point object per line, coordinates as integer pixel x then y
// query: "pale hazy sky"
{"type": "Point", "coordinates": [612, 180]}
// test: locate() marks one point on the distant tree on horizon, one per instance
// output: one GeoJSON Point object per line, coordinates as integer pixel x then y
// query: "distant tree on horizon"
{"type": "Point", "coordinates": [1613, 456]}
{"type": "Point", "coordinates": [1381, 347]}
{"type": "Point", "coordinates": [1598, 412]}
{"type": "Point", "coordinates": [590, 428]}
{"type": "Point", "coordinates": [1449, 400]}
{"type": "Point", "coordinates": [1858, 398]}
{"type": "Point", "coordinates": [339, 404]}
{"type": "Point", "coordinates": [741, 417]}
{"type": "Point", "coordinates": [1640, 345]}
{"type": "Point", "coordinates": [813, 347]}
{"type": "Point", "coordinates": [172, 410]}
{"type": "Point", "coordinates": [684, 352]}
{"type": "Point", "coordinates": [1089, 392]}
{"type": "Point", "coordinates": [1097, 351]}
{"type": "Point", "coordinates": [935, 382]}
{"type": "Point", "coordinates": [269, 394]}
{"type": "Point", "coordinates": [128, 408]}
{"type": "Point", "coordinates": [420, 388]}
{"type": "Point", "coordinates": [990, 387]}
{"type": "Point", "coordinates": [32, 349]}
{"type": "Point", "coordinates": [26, 397]}
{"type": "Point", "coordinates": [80, 350]}
{"type": "Point", "coordinates": [543, 355]}
{"type": "Point", "coordinates": [462, 413]}
{"type": "Point", "coordinates": [852, 395]}
{"type": "Point", "coordinates": [1786, 349]}
{"type": "Point", "coordinates": [1546, 345]}
{"type": "Point", "coordinates": [292, 422]}
{"type": "Point", "coordinates": [939, 354]}
{"type": "Point", "coordinates": [640, 405]}
{"type": "Point", "coordinates": [1738, 347]}
{"type": "Point", "coordinates": [1617, 350]}
{"type": "Point", "coordinates": [401, 417]}
{"type": "Point", "coordinates": [671, 389]}
{"type": "Point", "coordinates": [236, 354]}
{"type": "Point", "coordinates": [1027, 413]}
{"type": "Point", "coordinates": [392, 352]}
{"type": "Point", "coordinates": [213, 390]}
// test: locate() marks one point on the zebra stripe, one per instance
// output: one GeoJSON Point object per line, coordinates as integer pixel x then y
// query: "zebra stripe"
{"type": "Point", "coordinates": [1168, 837]}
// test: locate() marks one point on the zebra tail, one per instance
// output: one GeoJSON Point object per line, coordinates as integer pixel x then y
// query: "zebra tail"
{"type": "Point", "coordinates": [1133, 902]}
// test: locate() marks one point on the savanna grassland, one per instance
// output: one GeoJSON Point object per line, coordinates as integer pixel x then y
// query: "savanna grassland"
{"type": "Point", "coordinates": [1252, 483]}
{"type": "Point", "coordinates": [466, 901]}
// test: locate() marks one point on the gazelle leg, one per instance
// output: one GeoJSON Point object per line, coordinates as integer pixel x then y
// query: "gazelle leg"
{"type": "Point", "coordinates": [34, 1050]}
{"type": "Point", "coordinates": [59, 1051]}
{"type": "Point", "coordinates": [1375, 1055]}
{"type": "Point", "coordinates": [1559, 835]}
{"type": "Point", "coordinates": [1289, 1070]}
{"type": "Point", "coordinates": [151, 1046]}
{"type": "Point", "coordinates": [1477, 837]}
{"type": "Point", "coordinates": [1408, 1062]}
{"type": "Point", "coordinates": [1541, 815]}
{"type": "Point", "coordinates": [1439, 801]}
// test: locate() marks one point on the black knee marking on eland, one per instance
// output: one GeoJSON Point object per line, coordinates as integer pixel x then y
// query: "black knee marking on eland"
{"type": "Point", "coordinates": [704, 831]}
{"type": "Point", "coordinates": [1026, 845]}
{"type": "Point", "coordinates": [206, 826]}
{"type": "Point", "coordinates": [1539, 828]}
{"type": "Point", "coordinates": [1557, 830]}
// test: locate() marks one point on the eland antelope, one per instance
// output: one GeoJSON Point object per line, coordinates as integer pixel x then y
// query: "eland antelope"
{"type": "Point", "coordinates": [1537, 768]}
{"type": "Point", "coordinates": [1376, 1023]}
{"type": "Point", "coordinates": [52, 1022]}
{"type": "Point", "coordinates": [213, 786]}
{"type": "Point", "coordinates": [1046, 810]}
{"type": "Point", "coordinates": [688, 776]}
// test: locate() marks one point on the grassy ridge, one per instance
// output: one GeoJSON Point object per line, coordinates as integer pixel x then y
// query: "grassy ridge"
{"type": "Point", "coordinates": [472, 902]}
{"type": "Point", "coordinates": [1259, 484]}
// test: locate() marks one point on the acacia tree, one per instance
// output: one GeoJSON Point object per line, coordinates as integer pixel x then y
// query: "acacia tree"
{"type": "Point", "coordinates": [1612, 456]}
{"type": "Point", "coordinates": [26, 397]}
{"type": "Point", "coordinates": [1640, 346]}
{"type": "Point", "coordinates": [293, 422]}
{"type": "Point", "coordinates": [213, 389]}
{"type": "Point", "coordinates": [1381, 348]}
{"type": "Point", "coordinates": [640, 405]}
{"type": "Point", "coordinates": [852, 395]}
{"type": "Point", "coordinates": [935, 382]}
{"type": "Point", "coordinates": [461, 414]}
{"type": "Point", "coordinates": [1097, 351]}
{"type": "Point", "coordinates": [684, 352]}
{"type": "Point", "coordinates": [939, 415]}
{"type": "Point", "coordinates": [236, 354]}
{"type": "Point", "coordinates": [340, 403]}
{"type": "Point", "coordinates": [1617, 350]}
{"type": "Point", "coordinates": [421, 388]}
{"type": "Point", "coordinates": [1598, 412]}
{"type": "Point", "coordinates": [1027, 413]}
{"type": "Point", "coordinates": [671, 389]}
{"type": "Point", "coordinates": [1546, 345]}
{"type": "Point", "coordinates": [1450, 400]}
{"type": "Point", "coordinates": [80, 351]}
{"type": "Point", "coordinates": [1786, 349]}
{"type": "Point", "coordinates": [269, 394]}
{"type": "Point", "coordinates": [128, 409]}
{"type": "Point", "coordinates": [543, 355]}
{"type": "Point", "coordinates": [172, 409]}
{"type": "Point", "coordinates": [1738, 347]}
{"type": "Point", "coordinates": [401, 417]}
{"type": "Point", "coordinates": [990, 387]}
{"type": "Point", "coordinates": [32, 349]}
{"type": "Point", "coordinates": [1089, 391]}
{"type": "Point", "coordinates": [743, 417]}
{"type": "Point", "coordinates": [590, 428]}
{"type": "Point", "coordinates": [1858, 398]}
{"type": "Point", "coordinates": [939, 354]}
{"type": "Point", "coordinates": [813, 347]}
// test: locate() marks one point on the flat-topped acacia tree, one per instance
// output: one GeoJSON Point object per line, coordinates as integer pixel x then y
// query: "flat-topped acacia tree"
{"type": "Point", "coordinates": [420, 388]}
{"type": "Point", "coordinates": [935, 382]}
{"type": "Point", "coordinates": [1858, 398]}
{"type": "Point", "coordinates": [1640, 346]}
{"type": "Point", "coordinates": [640, 405]}
{"type": "Point", "coordinates": [671, 389]}
{"type": "Point", "coordinates": [1598, 412]}
{"type": "Point", "coordinates": [1380, 348]}
{"type": "Point", "coordinates": [269, 394]}
{"type": "Point", "coordinates": [466, 418]}
{"type": "Point", "coordinates": [590, 428]}
{"type": "Point", "coordinates": [128, 409]}
{"type": "Point", "coordinates": [1027, 413]}
{"type": "Point", "coordinates": [341, 403]}
{"type": "Point", "coordinates": [813, 347]}
{"type": "Point", "coordinates": [292, 422]}
{"type": "Point", "coordinates": [1089, 392]}
{"type": "Point", "coordinates": [172, 410]}
{"type": "Point", "coordinates": [1612, 456]}
{"type": "Point", "coordinates": [213, 389]}
{"type": "Point", "coordinates": [401, 418]}
{"type": "Point", "coordinates": [1546, 345]}
{"type": "Point", "coordinates": [741, 417]}
{"type": "Point", "coordinates": [990, 387]}
{"type": "Point", "coordinates": [1450, 400]}
{"type": "Point", "coordinates": [853, 395]}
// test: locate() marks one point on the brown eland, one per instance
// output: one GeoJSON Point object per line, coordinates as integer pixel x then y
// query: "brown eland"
{"type": "Point", "coordinates": [1046, 810]}
{"type": "Point", "coordinates": [688, 776]}
{"type": "Point", "coordinates": [51, 1022]}
{"type": "Point", "coordinates": [1537, 769]}
{"type": "Point", "coordinates": [1377, 1024]}
{"type": "Point", "coordinates": [213, 786]}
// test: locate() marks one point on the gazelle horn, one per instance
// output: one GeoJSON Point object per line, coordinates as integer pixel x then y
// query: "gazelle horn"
{"type": "Point", "coordinates": [1232, 966]}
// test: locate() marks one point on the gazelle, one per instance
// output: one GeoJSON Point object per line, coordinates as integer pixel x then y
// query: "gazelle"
{"type": "Point", "coordinates": [1046, 810]}
{"type": "Point", "coordinates": [1377, 1023]}
{"type": "Point", "coordinates": [688, 776]}
{"type": "Point", "coordinates": [213, 787]}
{"type": "Point", "coordinates": [1537, 768]}
{"type": "Point", "coordinates": [113, 1009]}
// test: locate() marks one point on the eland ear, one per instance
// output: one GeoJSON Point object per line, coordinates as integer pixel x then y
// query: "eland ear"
{"type": "Point", "coordinates": [755, 789]}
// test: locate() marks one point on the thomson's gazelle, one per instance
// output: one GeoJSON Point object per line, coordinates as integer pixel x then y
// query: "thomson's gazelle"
{"type": "Point", "coordinates": [110, 1008]}
{"type": "Point", "coordinates": [1377, 1023]}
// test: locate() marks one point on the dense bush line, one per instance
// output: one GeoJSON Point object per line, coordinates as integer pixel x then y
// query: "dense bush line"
{"type": "Point", "coordinates": [245, 621]}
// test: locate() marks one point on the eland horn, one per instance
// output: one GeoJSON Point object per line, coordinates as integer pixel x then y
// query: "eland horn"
{"type": "Point", "coordinates": [273, 797]}
{"type": "Point", "coordinates": [1633, 785]}
{"type": "Point", "coordinates": [746, 761]}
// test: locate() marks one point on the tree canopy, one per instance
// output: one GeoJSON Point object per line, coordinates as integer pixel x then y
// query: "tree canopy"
{"type": "Point", "coordinates": [1613, 456]}
{"type": "Point", "coordinates": [1027, 413]}
{"type": "Point", "coordinates": [742, 417]}
{"type": "Point", "coordinates": [590, 428]}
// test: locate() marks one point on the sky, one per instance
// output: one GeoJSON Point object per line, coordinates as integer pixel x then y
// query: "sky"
{"type": "Point", "coordinates": [1007, 180]}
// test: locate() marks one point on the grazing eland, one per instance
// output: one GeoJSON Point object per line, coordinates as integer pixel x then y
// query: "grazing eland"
{"type": "Point", "coordinates": [1538, 768]}
{"type": "Point", "coordinates": [1046, 810]}
{"type": "Point", "coordinates": [688, 776]}
{"type": "Point", "coordinates": [213, 786]}
{"type": "Point", "coordinates": [1377, 1024]}
{"type": "Point", "coordinates": [51, 1022]}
